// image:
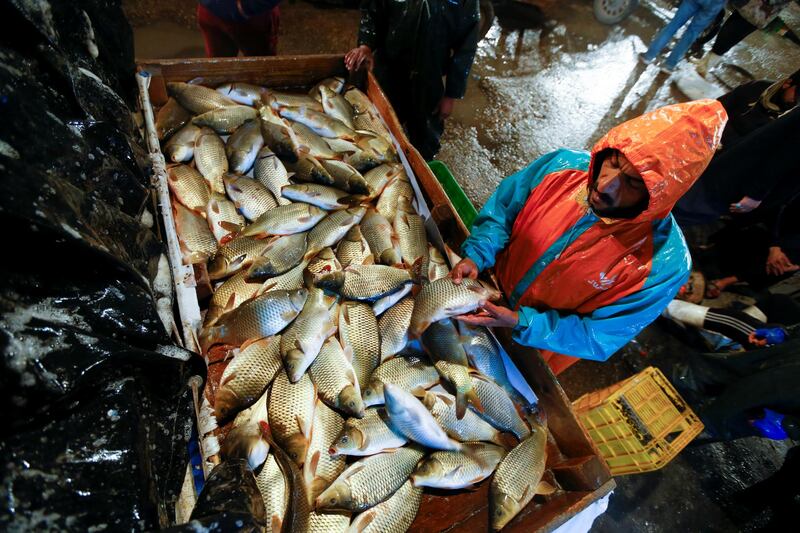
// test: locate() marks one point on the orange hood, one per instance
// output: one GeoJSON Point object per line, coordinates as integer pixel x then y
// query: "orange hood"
{"type": "Point", "coordinates": [670, 147]}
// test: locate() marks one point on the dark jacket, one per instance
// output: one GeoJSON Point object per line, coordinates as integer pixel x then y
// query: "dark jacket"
{"type": "Point", "coordinates": [421, 35]}
{"type": "Point", "coordinates": [745, 113]}
{"type": "Point", "coordinates": [228, 11]}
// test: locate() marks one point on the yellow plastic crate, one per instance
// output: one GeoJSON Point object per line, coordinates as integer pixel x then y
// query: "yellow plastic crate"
{"type": "Point", "coordinates": [640, 424]}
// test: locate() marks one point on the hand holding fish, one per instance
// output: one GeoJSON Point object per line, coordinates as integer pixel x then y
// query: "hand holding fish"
{"type": "Point", "coordinates": [492, 316]}
{"type": "Point", "coordinates": [465, 268]}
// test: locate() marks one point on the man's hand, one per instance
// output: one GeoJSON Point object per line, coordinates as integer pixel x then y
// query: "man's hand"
{"type": "Point", "coordinates": [358, 56]}
{"type": "Point", "coordinates": [445, 107]}
{"type": "Point", "coordinates": [492, 316]}
{"type": "Point", "coordinates": [778, 264]}
{"type": "Point", "coordinates": [745, 205]}
{"type": "Point", "coordinates": [465, 268]}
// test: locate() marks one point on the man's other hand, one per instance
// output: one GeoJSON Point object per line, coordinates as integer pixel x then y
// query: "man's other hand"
{"type": "Point", "coordinates": [492, 316]}
{"type": "Point", "coordinates": [358, 56]}
{"type": "Point", "coordinates": [445, 107]}
{"type": "Point", "coordinates": [778, 263]}
{"type": "Point", "coordinates": [465, 268]}
{"type": "Point", "coordinates": [745, 205]}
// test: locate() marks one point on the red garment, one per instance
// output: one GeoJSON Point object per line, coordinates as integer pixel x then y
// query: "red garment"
{"type": "Point", "coordinates": [258, 36]}
{"type": "Point", "coordinates": [613, 258]}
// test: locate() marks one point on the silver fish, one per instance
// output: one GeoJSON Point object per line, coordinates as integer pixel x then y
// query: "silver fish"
{"type": "Point", "coordinates": [234, 255]}
{"type": "Point", "coordinates": [409, 372]}
{"type": "Point", "coordinates": [281, 254]}
{"type": "Point", "coordinates": [410, 231]}
{"type": "Point", "coordinates": [393, 326]}
{"type": "Point", "coordinates": [332, 372]}
{"type": "Point", "coordinates": [275, 493]}
{"type": "Point", "coordinates": [380, 236]}
{"type": "Point", "coordinates": [443, 298]}
{"type": "Point", "coordinates": [229, 295]}
{"type": "Point", "coordinates": [333, 228]}
{"type": "Point", "coordinates": [243, 146]}
{"type": "Point", "coordinates": [210, 159]}
{"type": "Point", "coordinates": [367, 436]}
{"type": "Point", "coordinates": [358, 330]}
{"type": "Point", "coordinates": [485, 356]}
{"type": "Point", "coordinates": [303, 339]}
{"type": "Point", "coordinates": [414, 421]}
{"type": "Point", "coordinates": [344, 176]}
{"type": "Point", "coordinates": [366, 283]}
{"type": "Point", "coordinates": [180, 147]}
{"type": "Point", "coordinates": [498, 409]}
{"type": "Point", "coordinates": [469, 428]}
{"type": "Point", "coordinates": [337, 106]}
{"type": "Point", "coordinates": [246, 440]}
{"type": "Point", "coordinates": [397, 189]}
{"type": "Point", "coordinates": [457, 470]}
{"type": "Point", "coordinates": [291, 414]}
{"type": "Point", "coordinates": [285, 220]}
{"type": "Point", "coordinates": [335, 84]}
{"type": "Point", "coordinates": [247, 376]}
{"type": "Point", "coordinates": [394, 515]}
{"type": "Point", "coordinates": [242, 93]}
{"type": "Point", "coordinates": [196, 240]}
{"type": "Point", "coordinates": [188, 187]}
{"type": "Point", "coordinates": [170, 118]}
{"type": "Point", "coordinates": [353, 248]}
{"type": "Point", "coordinates": [225, 120]}
{"type": "Point", "coordinates": [251, 198]}
{"type": "Point", "coordinates": [279, 99]}
{"type": "Point", "coordinates": [222, 217]}
{"type": "Point", "coordinates": [320, 468]}
{"type": "Point", "coordinates": [380, 306]}
{"type": "Point", "coordinates": [322, 196]}
{"type": "Point", "coordinates": [311, 143]}
{"type": "Point", "coordinates": [379, 177]}
{"type": "Point", "coordinates": [197, 98]}
{"type": "Point", "coordinates": [320, 123]}
{"type": "Point", "coordinates": [269, 170]}
{"type": "Point", "coordinates": [281, 139]}
{"type": "Point", "coordinates": [308, 169]}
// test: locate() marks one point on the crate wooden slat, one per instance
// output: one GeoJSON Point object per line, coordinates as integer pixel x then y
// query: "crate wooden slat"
{"type": "Point", "coordinates": [574, 461]}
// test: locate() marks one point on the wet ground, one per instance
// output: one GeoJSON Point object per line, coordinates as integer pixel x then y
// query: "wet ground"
{"type": "Point", "coordinates": [549, 76]}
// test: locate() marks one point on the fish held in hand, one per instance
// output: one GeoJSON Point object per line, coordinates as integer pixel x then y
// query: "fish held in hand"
{"type": "Point", "coordinates": [444, 298]}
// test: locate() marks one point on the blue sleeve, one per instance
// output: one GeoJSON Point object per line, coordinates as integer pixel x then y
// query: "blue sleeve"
{"type": "Point", "coordinates": [492, 227]}
{"type": "Point", "coordinates": [598, 335]}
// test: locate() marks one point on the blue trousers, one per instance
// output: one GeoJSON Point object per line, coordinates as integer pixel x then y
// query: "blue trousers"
{"type": "Point", "coordinates": [700, 12]}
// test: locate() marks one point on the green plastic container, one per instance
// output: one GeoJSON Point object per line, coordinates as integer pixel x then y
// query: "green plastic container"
{"type": "Point", "coordinates": [463, 206]}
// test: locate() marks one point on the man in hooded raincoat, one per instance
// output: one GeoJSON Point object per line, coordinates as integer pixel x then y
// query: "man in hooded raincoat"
{"type": "Point", "coordinates": [417, 43]}
{"type": "Point", "coordinates": [584, 245]}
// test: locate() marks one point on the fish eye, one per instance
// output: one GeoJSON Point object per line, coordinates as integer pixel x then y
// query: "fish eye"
{"type": "Point", "coordinates": [293, 455]}
{"type": "Point", "coordinates": [367, 392]}
{"type": "Point", "coordinates": [344, 439]}
{"type": "Point", "coordinates": [333, 501]}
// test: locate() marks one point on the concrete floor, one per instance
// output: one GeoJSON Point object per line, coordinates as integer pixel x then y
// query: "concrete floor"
{"type": "Point", "coordinates": [550, 76]}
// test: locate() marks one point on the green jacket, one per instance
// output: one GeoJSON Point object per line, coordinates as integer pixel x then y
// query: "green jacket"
{"type": "Point", "coordinates": [431, 38]}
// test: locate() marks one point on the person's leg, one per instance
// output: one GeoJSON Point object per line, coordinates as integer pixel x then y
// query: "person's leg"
{"type": "Point", "coordinates": [685, 11]}
{"type": "Point", "coordinates": [217, 41]}
{"type": "Point", "coordinates": [259, 35]}
{"type": "Point", "coordinates": [732, 32]}
{"type": "Point", "coordinates": [700, 21]}
{"type": "Point", "coordinates": [707, 35]}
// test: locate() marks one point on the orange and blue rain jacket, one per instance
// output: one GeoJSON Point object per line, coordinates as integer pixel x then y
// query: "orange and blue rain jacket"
{"type": "Point", "coordinates": [583, 285]}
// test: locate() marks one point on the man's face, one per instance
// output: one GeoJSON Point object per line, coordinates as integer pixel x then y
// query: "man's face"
{"type": "Point", "coordinates": [618, 188]}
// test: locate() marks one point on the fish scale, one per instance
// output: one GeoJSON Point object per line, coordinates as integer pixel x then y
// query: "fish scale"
{"type": "Point", "coordinates": [353, 248]}
{"type": "Point", "coordinates": [269, 170]}
{"type": "Point", "coordinates": [291, 414]}
{"type": "Point", "coordinates": [285, 220]}
{"type": "Point", "coordinates": [196, 240]}
{"type": "Point", "coordinates": [324, 262]}
{"type": "Point", "coordinates": [197, 98]}
{"type": "Point", "coordinates": [379, 177]}
{"type": "Point", "coordinates": [222, 216]}
{"type": "Point", "coordinates": [280, 138]}
{"type": "Point", "coordinates": [393, 326]}
{"type": "Point", "coordinates": [329, 522]}
{"type": "Point", "coordinates": [243, 146]}
{"type": "Point", "coordinates": [279, 99]}
{"type": "Point", "coordinates": [309, 169]}
{"type": "Point", "coordinates": [470, 428]}
{"type": "Point", "coordinates": [333, 228]}
{"type": "Point", "coordinates": [322, 196]}
{"type": "Point", "coordinates": [371, 480]}
{"type": "Point", "coordinates": [221, 302]}
{"type": "Point", "coordinates": [337, 106]}
{"type": "Point", "coordinates": [436, 266]}
{"type": "Point", "coordinates": [188, 186]}
{"type": "Point", "coordinates": [410, 230]}
{"type": "Point", "coordinates": [368, 436]}
{"type": "Point", "coordinates": [365, 282]}
{"type": "Point", "coordinates": [247, 376]}
{"type": "Point", "coordinates": [210, 159]}
{"type": "Point", "coordinates": [332, 372]}
{"type": "Point", "coordinates": [358, 329]}
{"type": "Point", "coordinates": [316, 145]}
{"type": "Point", "coordinates": [394, 515]}
{"type": "Point", "coordinates": [498, 409]}
{"type": "Point", "coordinates": [458, 376]}
{"type": "Point", "coordinates": [303, 339]}
{"type": "Point", "coordinates": [260, 317]}
{"type": "Point", "coordinates": [370, 122]}
{"type": "Point", "coordinates": [378, 232]}
{"type": "Point", "coordinates": [281, 254]}
{"type": "Point", "coordinates": [271, 484]}
{"type": "Point", "coordinates": [252, 199]}
{"type": "Point", "coordinates": [486, 357]}
{"type": "Point", "coordinates": [442, 342]}
{"type": "Point", "coordinates": [396, 190]}
{"type": "Point", "coordinates": [243, 93]}
{"type": "Point", "coordinates": [320, 468]}
{"type": "Point", "coordinates": [517, 477]}
{"type": "Point", "coordinates": [345, 177]}
{"type": "Point", "coordinates": [444, 298]}
{"type": "Point", "coordinates": [170, 118]}
{"type": "Point", "coordinates": [360, 101]}
{"type": "Point", "coordinates": [457, 470]}
{"type": "Point", "coordinates": [318, 122]}
{"type": "Point", "coordinates": [226, 120]}
{"type": "Point", "coordinates": [234, 255]}
{"type": "Point", "coordinates": [407, 372]}
{"type": "Point", "coordinates": [180, 147]}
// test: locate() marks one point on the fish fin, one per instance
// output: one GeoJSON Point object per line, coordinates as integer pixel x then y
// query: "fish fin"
{"type": "Point", "coordinates": [461, 405]}
{"type": "Point", "coordinates": [351, 376]}
{"type": "Point", "coordinates": [230, 226]}
{"type": "Point", "coordinates": [277, 524]}
{"type": "Point", "coordinates": [418, 391]}
{"type": "Point", "coordinates": [227, 238]}
{"type": "Point", "coordinates": [545, 488]}
{"type": "Point", "coordinates": [369, 260]}
{"type": "Point", "coordinates": [363, 521]}
{"type": "Point", "coordinates": [346, 313]}
{"type": "Point", "coordinates": [506, 440]}
{"type": "Point", "coordinates": [314, 463]}
{"type": "Point", "coordinates": [358, 467]}
{"type": "Point", "coordinates": [288, 315]}
{"type": "Point", "coordinates": [446, 399]}
{"type": "Point", "coordinates": [303, 219]}
{"type": "Point", "coordinates": [230, 304]}
{"type": "Point", "coordinates": [348, 353]}
{"type": "Point", "coordinates": [472, 397]}
{"type": "Point", "coordinates": [227, 380]}
{"type": "Point", "coordinates": [247, 343]}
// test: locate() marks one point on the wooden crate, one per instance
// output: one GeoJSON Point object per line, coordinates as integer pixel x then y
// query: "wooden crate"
{"type": "Point", "coordinates": [573, 458]}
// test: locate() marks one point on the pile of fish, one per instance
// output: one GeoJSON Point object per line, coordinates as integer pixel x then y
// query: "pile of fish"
{"type": "Point", "coordinates": [338, 313]}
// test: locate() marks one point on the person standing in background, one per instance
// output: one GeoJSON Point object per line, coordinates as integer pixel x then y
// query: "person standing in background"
{"type": "Point", "coordinates": [701, 13]}
{"type": "Point", "coordinates": [417, 43]}
{"type": "Point", "coordinates": [746, 17]}
{"type": "Point", "coordinates": [233, 26]}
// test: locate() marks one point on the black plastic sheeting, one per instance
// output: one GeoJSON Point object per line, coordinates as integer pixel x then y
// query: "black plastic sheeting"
{"type": "Point", "coordinates": [98, 410]}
